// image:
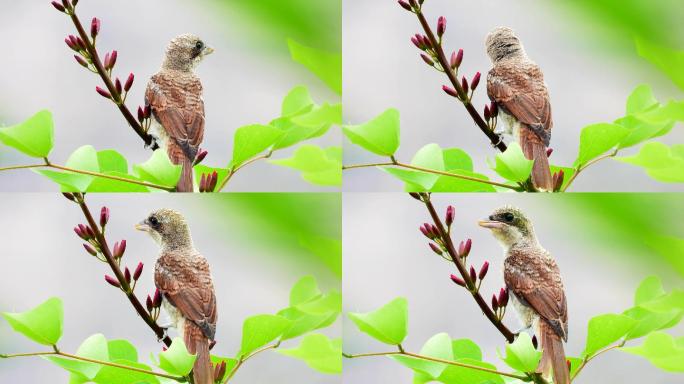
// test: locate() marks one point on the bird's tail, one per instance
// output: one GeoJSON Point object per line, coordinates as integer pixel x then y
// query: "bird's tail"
{"type": "Point", "coordinates": [197, 343]}
{"type": "Point", "coordinates": [541, 174]}
{"type": "Point", "coordinates": [553, 355]}
{"type": "Point", "coordinates": [185, 181]}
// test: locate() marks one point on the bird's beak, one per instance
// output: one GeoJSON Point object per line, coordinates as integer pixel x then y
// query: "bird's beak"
{"type": "Point", "coordinates": [142, 226]}
{"type": "Point", "coordinates": [490, 224]}
{"type": "Point", "coordinates": [207, 51]}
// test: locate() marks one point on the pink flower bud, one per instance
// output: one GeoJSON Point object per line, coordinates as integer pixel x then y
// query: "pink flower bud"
{"type": "Point", "coordinates": [203, 183]}
{"type": "Point", "coordinates": [66, 4]}
{"type": "Point", "coordinates": [212, 181]}
{"type": "Point", "coordinates": [441, 26]}
{"type": "Point", "coordinates": [129, 82]}
{"type": "Point", "coordinates": [90, 249]}
{"type": "Point", "coordinates": [127, 275]}
{"type": "Point", "coordinates": [549, 151]}
{"type": "Point", "coordinates": [495, 303]}
{"type": "Point", "coordinates": [450, 212]}
{"type": "Point", "coordinates": [157, 300]}
{"type": "Point", "coordinates": [487, 113]}
{"type": "Point", "coordinates": [483, 270]}
{"type": "Point", "coordinates": [103, 93]}
{"type": "Point", "coordinates": [71, 43]}
{"type": "Point", "coordinates": [418, 43]}
{"type": "Point", "coordinates": [475, 81]}
{"type": "Point", "coordinates": [148, 111]}
{"type": "Point", "coordinates": [426, 41]}
{"type": "Point", "coordinates": [464, 84]}
{"type": "Point", "coordinates": [403, 4]}
{"type": "Point", "coordinates": [435, 249]}
{"type": "Point", "coordinates": [117, 86]}
{"type": "Point", "coordinates": [449, 91]}
{"type": "Point", "coordinates": [81, 61]}
{"type": "Point", "coordinates": [148, 304]}
{"type": "Point", "coordinates": [201, 154]}
{"type": "Point", "coordinates": [427, 59]}
{"type": "Point", "coordinates": [458, 280]}
{"type": "Point", "coordinates": [80, 43]}
{"type": "Point", "coordinates": [503, 297]}
{"type": "Point", "coordinates": [425, 232]}
{"type": "Point", "coordinates": [558, 180]}
{"type": "Point", "coordinates": [473, 276]}
{"type": "Point", "coordinates": [58, 6]}
{"type": "Point", "coordinates": [464, 248]}
{"type": "Point", "coordinates": [219, 371]}
{"type": "Point", "coordinates": [141, 115]}
{"type": "Point", "coordinates": [104, 216]}
{"type": "Point", "coordinates": [119, 249]}
{"type": "Point", "coordinates": [494, 108]}
{"type": "Point", "coordinates": [114, 282]}
{"type": "Point", "coordinates": [456, 59]}
{"type": "Point", "coordinates": [94, 27]}
{"type": "Point", "coordinates": [138, 271]}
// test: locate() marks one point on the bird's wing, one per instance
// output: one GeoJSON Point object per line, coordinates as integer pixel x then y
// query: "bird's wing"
{"type": "Point", "coordinates": [179, 108]}
{"type": "Point", "coordinates": [189, 289]}
{"type": "Point", "coordinates": [536, 282]}
{"type": "Point", "coordinates": [522, 94]}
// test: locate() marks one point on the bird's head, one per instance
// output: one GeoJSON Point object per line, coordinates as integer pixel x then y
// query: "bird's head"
{"type": "Point", "coordinates": [185, 52]}
{"type": "Point", "coordinates": [509, 225]}
{"type": "Point", "coordinates": [167, 227]}
{"type": "Point", "coordinates": [502, 43]}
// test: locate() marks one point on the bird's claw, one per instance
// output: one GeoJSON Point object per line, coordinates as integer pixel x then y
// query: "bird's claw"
{"type": "Point", "coordinates": [519, 331]}
{"type": "Point", "coordinates": [154, 143]}
{"type": "Point", "coordinates": [501, 139]}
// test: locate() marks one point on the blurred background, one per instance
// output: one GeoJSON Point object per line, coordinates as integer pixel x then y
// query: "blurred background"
{"type": "Point", "coordinates": [585, 49]}
{"type": "Point", "coordinates": [244, 80]}
{"type": "Point", "coordinates": [258, 246]}
{"type": "Point", "coordinates": [605, 244]}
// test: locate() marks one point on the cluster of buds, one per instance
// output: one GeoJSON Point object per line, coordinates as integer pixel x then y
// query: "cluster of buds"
{"type": "Point", "coordinates": [153, 303]}
{"type": "Point", "coordinates": [201, 154]}
{"type": "Point", "coordinates": [430, 49]}
{"type": "Point", "coordinates": [219, 372]}
{"type": "Point", "coordinates": [558, 180]}
{"type": "Point", "coordinates": [208, 182]}
{"type": "Point", "coordinates": [131, 278]}
{"type": "Point", "coordinates": [474, 276]}
{"type": "Point", "coordinates": [411, 5]}
{"type": "Point", "coordinates": [91, 245]}
{"type": "Point", "coordinates": [119, 250]}
{"type": "Point", "coordinates": [144, 117]}
{"type": "Point", "coordinates": [499, 303]}
{"type": "Point", "coordinates": [65, 6]}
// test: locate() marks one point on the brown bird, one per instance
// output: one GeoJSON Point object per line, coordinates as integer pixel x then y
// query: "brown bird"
{"type": "Point", "coordinates": [182, 276]}
{"type": "Point", "coordinates": [516, 85]}
{"type": "Point", "coordinates": [536, 290]}
{"type": "Point", "coordinates": [175, 96]}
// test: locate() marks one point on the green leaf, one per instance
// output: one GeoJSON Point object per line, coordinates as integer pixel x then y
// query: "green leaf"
{"type": "Point", "coordinates": [575, 363]}
{"type": "Point", "coordinates": [513, 165]}
{"type": "Point", "coordinates": [113, 375]}
{"type": "Point", "coordinates": [649, 289]}
{"type": "Point", "coordinates": [201, 169]}
{"type": "Point", "coordinates": [259, 330]}
{"type": "Point", "coordinates": [641, 129]}
{"type": "Point", "coordinates": [304, 290]}
{"type": "Point", "coordinates": [42, 324]}
{"type": "Point", "coordinates": [327, 66]}
{"type": "Point", "coordinates": [34, 137]}
{"type": "Point", "coordinates": [318, 352]}
{"type": "Point", "coordinates": [666, 303]}
{"type": "Point", "coordinates": [641, 99]}
{"type": "Point", "coordinates": [251, 140]}
{"type": "Point", "coordinates": [597, 139]}
{"type": "Point", "coordinates": [387, 324]}
{"type": "Point", "coordinates": [462, 375]}
{"type": "Point", "coordinates": [438, 346]}
{"type": "Point", "coordinates": [296, 101]}
{"type": "Point", "coordinates": [84, 158]}
{"type": "Point", "coordinates": [69, 182]}
{"type": "Point", "coordinates": [110, 160]}
{"type": "Point", "coordinates": [303, 322]}
{"type": "Point", "coordinates": [668, 61]}
{"type": "Point", "coordinates": [661, 162]}
{"type": "Point", "coordinates": [95, 347]}
{"type": "Point", "coordinates": [230, 362]}
{"type": "Point", "coordinates": [456, 158]}
{"type": "Point", "coordinates": [662, 350]}
{"type": "Point", "coordinates": [101, 184]}
{"type": "Point", "coordinates": [379, 135]}
{"type": "Point", "coordinates": [176, 360]}
{"type": "Point", "coordinates": [649, 321]}
{"type": "Point", "coordinates": [122, 350]}
{"type": "Point", "coordinates": [329, 250]}
{"type": "Point", "coordinates": [466, 349]}
{"type": "Point", "coordinates": [318, 166]}
{"type": "Point", "coordinates": [158, 169]}
{"type": "Point", "coordinates": [521, 354]}
{"type": "Point", "coordinates": [606, 329]}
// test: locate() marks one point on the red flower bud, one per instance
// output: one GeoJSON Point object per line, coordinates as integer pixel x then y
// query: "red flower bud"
{"type": "Point", "coordinates": [66, 4]}
{"type": "Point", "coordinates": [456, 59]}
{"type": "Point", "coordinates": [434, 230]}
{"type": "Point", "coordinates": [103, 93]}
{"type": "Point", "coordinates": [219, 371]}
{"type": "Point", "coordinates": [427, 59]}
{"type": "Point", "coordinates": [503, 297]}
{"type": "Point", "coordinates": [473, 276]}
{"type": "Point", "coordinates": [464, 84]}
{"type": "Point", "coordinates": [449, 91]}
{"type": "Point", "coordinates": [405, 5]}
{"type": "Point", "coordinates": [119, 249]}
{"type": "Point", "coordinates": [475, 81]}
{"type": "Point", "coordinates": [413, 3]}
{"type": "Point", "coordinates": [58, 6]}
{"type": "Point", "coordinates": [558, 180]}
{"type": "Point", "coordinates": [200, 156]}
{"type": "Point", "coordinates": [81, 44]}
{"type": "Point", "coordinates": [114, 282]}
{"type": "Point", "coordinates": [450, 212]}
{"type": "Point", "coordinates": [567, 362]}
{"type": "Point", "coordinates": [464, 248]}
{"type": "Point", "coordinates": [435, 249]}
{"type": "Point", "coordinates": [148, 111]}
{"type": "Point", "coordinates": [487, 113]}
{"type": "Point", "coordinates": [458, 280]}
{"type": "Point", "coordinates": [81, 61]}
{"type": "Point", "coordinates": [117, 86]}
{"type": "Point", "coordinates": [495, 303]}
{"type": "Point", "coordinates": [441, 26]}
{"type": "Point", "coordinates": [549, 151]}
{"type": "Point", "coordinates": [157, 300]}
{"type": "Point", "coordinates": [141, 115]}
{"type": "Point", "coordinates": [89, 231]}
{"type": "Point", "coordinates": [104, 216]}
{"type": "Point", "coordinates": [80, 232]}
{"type": "Point", "coordinates": [127, 275]}
{"type": "Point", "coordinates": [426, 41]}
{"type": "Point", "coordinates": [494, 108]}
{"type": "Point", "coordinates": [138, 271]}
{"type": "Point", "coordinates": [90, 249]}
{"type": "Point", "coordinates": [203, 183]}
{"type": "Point", "coordinates": [110, 60]}
{"type": "Point", "coordinates": [148, 304]}
{"type": "Point", "coordinates": [129, 82]}
{"type": "Point", "coordinates": [483, 270]}
{"type": "Point", "coordinates": [212, 181]}
{"type": "Point", "coordinates": [94, 27]}
{"type": "Point", "coordinates": [71, 43]}
{"type": "Point", "coordinates": [417, 42]}
{"type": "Point", "coordinates": [425, 231]}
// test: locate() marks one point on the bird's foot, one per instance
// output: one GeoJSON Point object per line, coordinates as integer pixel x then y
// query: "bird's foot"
{"type": "Point", "coordinates": [521, 330]}
{"type": "Point", "coordinates": [501, 139]}
{"type": "Point", "coordinates": [154, 143]}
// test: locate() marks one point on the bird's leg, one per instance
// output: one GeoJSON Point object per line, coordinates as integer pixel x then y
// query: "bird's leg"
{"type": "Point", "coordinates": [523, 329]}
{"type": "Point", "coordinates": [154, 143]}
{"type": "Point", "coordinates": [501, 139]}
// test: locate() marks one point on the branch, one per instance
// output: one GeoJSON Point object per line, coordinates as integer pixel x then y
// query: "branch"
{"type": "Point", "coordinates": [427, 170]}
{"type": "Point", "coordinates": [76, 357]}
{"type": "Point", "coordinates": [437, 360]}
{"type": "Point", "coordinates": [242, 359]}
{"type": "Point", "coordinates": [125, 286]}
{"type": "Point", "coordinates": [106, 78]}
{"type": "Point", "coordinates": [451, 74]}
{"type": "Point", "coordinates": [582, 168]}
{"type": "Point", "coordinates": [446, 238]}
{"type": "Point", "coordinates": [234, 170]}
{"type": "Point", "coordinates": [590, 358]}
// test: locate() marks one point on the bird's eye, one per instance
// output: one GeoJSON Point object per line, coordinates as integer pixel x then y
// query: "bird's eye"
{"type": "Point", "coordinates": [199, 45]}
{"type": "Point", "coordinates": [491, 217]}
{"type": "Point", "coordinates": [508, 217]}
{"type": "Point", "coordinates": [153, 220]}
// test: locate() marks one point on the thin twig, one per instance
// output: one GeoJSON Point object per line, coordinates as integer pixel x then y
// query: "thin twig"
{"type": "Point", "coordinates": [21, 167]}
{"type": "Point", "coordinates": [235, 169]}
{"type": "Point", "coordinates": [582, 168]}
{"type": "Point", "coordinates": [139, 308]}
{"type": "Point", "coordinates": [100, 362]}
{"type": "Point", "coordinates": [242, 359]}
{"type": "Point", "coordinates": [588, 359]}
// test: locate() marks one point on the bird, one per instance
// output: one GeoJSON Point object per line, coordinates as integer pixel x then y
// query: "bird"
{"type": "Point", "coordinates": [174, 95]}
{"type": "Point", "coordinates": [516, 84]}
{"type": "Point", "coordinates": [534, 283]}
{"type": "Point", "coordinates": [184, 280]}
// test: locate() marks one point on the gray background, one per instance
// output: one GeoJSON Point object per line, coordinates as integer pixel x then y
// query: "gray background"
{"type": "Point", "coordinates": [385, 256]}
{"type": "Point", "coordinates": [588, 83]}
{"type": "Point", "coordinates": [253, 274]}
{"type": "Point", "coordinates": [244, 82]}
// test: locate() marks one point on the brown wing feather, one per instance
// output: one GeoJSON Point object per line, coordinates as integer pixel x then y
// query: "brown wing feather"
{"type": "Point", "coordinates": [189, 288]}
{"type": "Point", "coordinates": [520, 91]}
{"type": "Point", "coordinates": [536, 280]}
{"type": "Point", "coordinates": [177, 105]}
